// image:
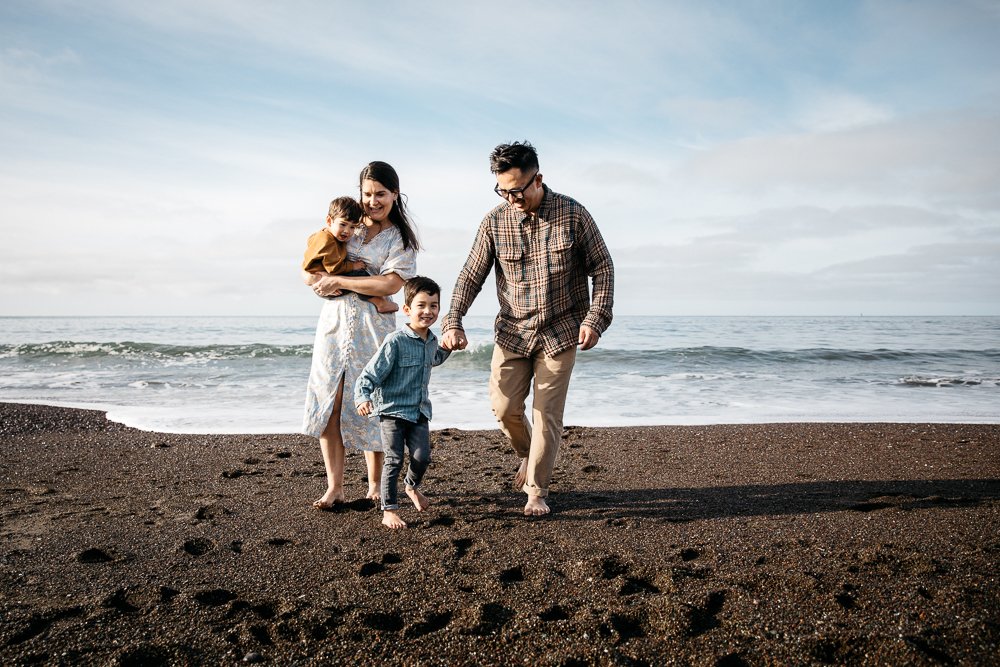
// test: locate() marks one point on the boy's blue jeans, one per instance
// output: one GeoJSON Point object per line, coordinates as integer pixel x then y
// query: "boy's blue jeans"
{"type": "Point", "coordinates": [398, 434]}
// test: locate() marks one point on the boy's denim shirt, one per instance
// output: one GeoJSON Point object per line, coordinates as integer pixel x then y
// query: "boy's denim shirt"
{"type": "Point", "coordinates": [396, 378]}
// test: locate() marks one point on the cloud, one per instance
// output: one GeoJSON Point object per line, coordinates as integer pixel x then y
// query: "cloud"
{"type": "Point", "coordinates": [955, 156]}
{"type": "Point", "coordinates": [824, 111]}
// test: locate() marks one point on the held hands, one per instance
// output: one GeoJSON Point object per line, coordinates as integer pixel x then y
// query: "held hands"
{"type": "Point", "coordinates": [365, 409]}
{"type": "Point", "coordinates": [454, 339]}
{"type": "Point", "coordinates": [588, 337]}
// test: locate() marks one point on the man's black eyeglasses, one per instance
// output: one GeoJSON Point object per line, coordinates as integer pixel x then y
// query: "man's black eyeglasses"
{"type": "Point", "coordinates": [516, 193]}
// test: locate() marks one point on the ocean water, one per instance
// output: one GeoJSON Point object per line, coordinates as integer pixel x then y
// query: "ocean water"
{"type": "Point", "coordinates": [248, 374]}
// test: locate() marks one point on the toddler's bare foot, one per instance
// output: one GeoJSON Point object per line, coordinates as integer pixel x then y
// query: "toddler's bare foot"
{"type": "Point", "coordinates": [419, 500]}
{"type": "Point", "coordinates": [521, 476]}
{"type": "Point", "coordinates": [536, 506]}
{"type": "Point", "coordinates": [383, 305]}
{"type": "Point", "coordinates": [391, 519]}
{"type": "Point", "coordinates": [329, 499]}
{"type": "Point", "coordinates": [374, 492]}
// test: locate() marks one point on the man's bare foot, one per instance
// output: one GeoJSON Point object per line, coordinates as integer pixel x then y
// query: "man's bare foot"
{"type": "Point", "coordinates": [536, 506]}
{"type": "Point", "coordinates": [419, 500]}
{"type": "Point", "coordinates": [329, 499]}
{"type": "Point", "coordinates": [383, 305]}
{"type": "Point", "coordinates": [391, 519]}
{"type": "Point", "coordinates": [374, 493]}
{"type": "Point", "coordinates": [521, 476]}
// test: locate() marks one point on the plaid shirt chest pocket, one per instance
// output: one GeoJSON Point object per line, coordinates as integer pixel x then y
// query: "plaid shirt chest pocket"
{"type": "Point", "coordinates": [559, 252]}
{"type": "Point", "coordinates": [511, 259]}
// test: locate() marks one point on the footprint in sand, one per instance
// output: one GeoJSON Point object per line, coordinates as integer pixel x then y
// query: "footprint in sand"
{"type": "Point", "coordinates": [432, 622]}
{"type": "Point", "coordinates": [627, 627]}
{"type": "Point", "coordinates": [279, 542]}
{"type": "Point", "coordinates": [636, 585]}
{"type": "Point", "coordinates": [702, 618]}
{"type": "Point", "coordinates": [483, 619]}
{"type": "Point", "coordinates": [94, 556]}
{"type": "Point", "coordinates": [512, 576]}
{"type": "Point", "coordinates": [554, 613]}
{"type": "Point", "coordinates": [462, 546]}
{"type": "Point", "coordinates": [198, 546]}
{"type": "Point", "coordinates": [612, 566]}
{"type": "Point", "coordinates": [383, 622]}
{"type": "Point", "coordinates": [119, 601]}
{"type": "Point", "coordinates": [214, 597]}
{"type": "Point", "coordinates": [371, 568]}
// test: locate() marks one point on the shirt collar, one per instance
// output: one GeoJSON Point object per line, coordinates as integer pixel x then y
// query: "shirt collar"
{"type": "Point", "coordinates": [413, 334]}
{"type": "Point", "coordinates": [542, 206]}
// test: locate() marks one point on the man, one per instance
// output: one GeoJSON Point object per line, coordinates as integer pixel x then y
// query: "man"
{"type": "Point", "coordinates": [543, 246]}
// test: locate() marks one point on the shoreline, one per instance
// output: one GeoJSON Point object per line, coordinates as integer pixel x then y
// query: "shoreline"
{"type": "Point", "coordinates": [108, 410]}
{"type": "Point", "coordinates": [868, 543]}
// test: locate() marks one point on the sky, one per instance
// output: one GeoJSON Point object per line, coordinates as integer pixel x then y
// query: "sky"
{"type": "Point", "coordinates": [825, 157]}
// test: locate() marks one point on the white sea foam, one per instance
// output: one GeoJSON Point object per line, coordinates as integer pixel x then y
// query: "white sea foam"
{"type": "Point", "coordinates": [218, 375]}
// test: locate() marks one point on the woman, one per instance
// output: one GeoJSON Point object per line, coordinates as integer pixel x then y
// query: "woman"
{"type": "Point", "coordinates": [351, 329]}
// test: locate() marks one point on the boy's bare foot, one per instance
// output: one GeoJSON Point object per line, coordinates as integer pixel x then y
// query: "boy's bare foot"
{"type": "Point", "coordinates": [329, 499]}
{"type": "Point", "coordinates": [521, 476]}
{"type": "Point", "coordinates": [536, 506]}
{"type": "Point", "coordinates": [383, 305]}
{"type": "Point", "coordinates": [374, 493]}
{"type": "Point", "coordinates": [419, 500]}
{"type": "Point", "coordinates": [391, 519]}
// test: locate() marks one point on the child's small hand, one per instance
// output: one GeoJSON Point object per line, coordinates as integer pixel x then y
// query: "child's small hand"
{"type": "Point", "coordinates": [365, 409]}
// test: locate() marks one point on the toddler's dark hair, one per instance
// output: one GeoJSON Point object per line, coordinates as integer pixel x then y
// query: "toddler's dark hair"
{"type": "Point", "coordinates": [347, 208]}
{"type": "Point", "coordinates": [419, 284]}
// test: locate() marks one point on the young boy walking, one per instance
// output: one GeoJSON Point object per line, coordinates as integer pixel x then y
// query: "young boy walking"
{"type": "Point", "coordinates": [393, 385]}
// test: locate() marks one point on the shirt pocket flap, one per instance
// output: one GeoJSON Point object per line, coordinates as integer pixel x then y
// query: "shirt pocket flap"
{"type": "Point", "coordinates": [510, 252]}
{"type": "Point", "coordinates": [411, 358]}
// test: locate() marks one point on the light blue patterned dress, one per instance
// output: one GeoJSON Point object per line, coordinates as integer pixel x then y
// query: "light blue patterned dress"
{"type": "Point", "coordinates": [349, 333]}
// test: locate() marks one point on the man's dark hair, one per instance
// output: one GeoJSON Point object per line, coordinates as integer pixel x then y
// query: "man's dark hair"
{"type": "Point", "coordinates": [517, 155]}
{"type": "Point", "coordinates": [418, 284]}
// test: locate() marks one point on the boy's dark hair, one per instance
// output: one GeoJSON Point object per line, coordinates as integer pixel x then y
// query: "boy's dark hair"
{"type": "Point", "coordinates": [518, 155]}
{"type": "Point", "coordinates": [419, 284]}
{"type": "Point", "coordinates": [347, 208]}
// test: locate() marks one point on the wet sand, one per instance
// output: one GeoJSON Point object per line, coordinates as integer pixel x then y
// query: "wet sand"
{"type": "Point", "coordinates": [704, 545]}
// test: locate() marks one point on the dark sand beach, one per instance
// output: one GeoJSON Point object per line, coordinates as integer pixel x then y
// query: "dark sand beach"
{"type": "Point", "coordinates": [703, 545]}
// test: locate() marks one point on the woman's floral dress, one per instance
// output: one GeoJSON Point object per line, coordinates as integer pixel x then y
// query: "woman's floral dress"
{"type": "Point", "coordinates": [349, 333]}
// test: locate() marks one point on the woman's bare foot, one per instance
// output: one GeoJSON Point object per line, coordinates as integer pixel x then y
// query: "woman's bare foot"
{"type": "Point", "coordinates": [521, 476]}
{"type": "Point", "coordinates": [329, 499]}
{"type": "Point", "coordinates": [536, 506]}
{"type": "Point", "coordinates": [374, 492]}
{"type": "Point", "coordinates": [391, 519]}
{"type": "Point", "coordinates": [383, 305]}
{"type": "Point", "coordinates": [419, 500]}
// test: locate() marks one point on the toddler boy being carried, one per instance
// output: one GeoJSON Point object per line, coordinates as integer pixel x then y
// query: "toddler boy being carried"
{"type": "Point", "coordinates": [326, 250]}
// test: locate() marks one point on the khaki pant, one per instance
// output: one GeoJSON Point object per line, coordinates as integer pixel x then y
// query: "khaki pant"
{"type": "Point", "coordinates": [510, 379]}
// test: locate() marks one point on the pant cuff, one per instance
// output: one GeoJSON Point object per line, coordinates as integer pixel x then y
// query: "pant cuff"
{"type": "Point", "coordinates": [533, 490]}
